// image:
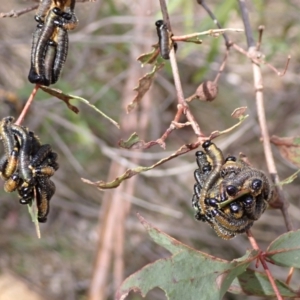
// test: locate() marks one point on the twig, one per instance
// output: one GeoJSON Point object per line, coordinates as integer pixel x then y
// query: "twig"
{"type": "Point", "coordinates": [222, 67]}
{"type": "Point", "coordinates": [228, 43]}
{"type": "Point", "coordinates": [210, 13]}
{"type": "Point", "coordinates": [264, 264]}
{"type": "Point", "coordinates": [17, 13]}
{"type": "Point", "coordinates": [27, 105]}
{"type": "Point", "coordinates": [258, 84]}
{"type": "Point", "coordinates": [246, 21]}
{"type": "Point", "coordinates": [180, 97]}
{"type": "Point", "coordinates": [261, 29]}
{"type": "Point", "coordinates": [285, 67]}
{"type": "Point", "coordinates": [161, 141]}
{"type": "Point", "coordinates": [164, 11]}
{"type": "Point", "coordinates": [211, 32]}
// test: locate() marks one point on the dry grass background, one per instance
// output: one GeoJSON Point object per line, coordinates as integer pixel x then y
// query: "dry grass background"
{"type": "Point", "coordinates": [92, 238]}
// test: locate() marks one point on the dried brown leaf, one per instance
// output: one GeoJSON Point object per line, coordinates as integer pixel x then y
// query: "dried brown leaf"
{"type": "Point", "coordinates": [62, 96]}
{"type": "Point", "coordinates": [67, 97]}
{"type": "Point", "coordinates": [239, 112]}
{"type": "Point", "coordinates": [289, 148]}
{"type": "Point", "coordinates": [150, 57]}
{"type": "Point", "coordinates": [132, 172]}
{"type": "Point", "coordinates": [144, 85]}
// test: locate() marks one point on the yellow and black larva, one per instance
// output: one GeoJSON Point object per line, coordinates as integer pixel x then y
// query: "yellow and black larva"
{"type": "Point", "coordinates": [62, 45]}
{"type": "Point", "coordinates": [45, 189]}
{"type": "Point", "coordinates": [230, 195]}
{"type": "Point", "coordinates": [28, 167]}
{"type": "Point", "coordinates": [50, 40]}
{"type": "Point", "coordinates": [215, 154]}
{"type": "Point", "coordinates": [37, 73]}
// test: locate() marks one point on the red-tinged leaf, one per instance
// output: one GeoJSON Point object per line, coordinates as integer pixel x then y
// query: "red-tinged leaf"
{"type": "Point", "coordinates": [289, 148]}
{"type": "Point", "coordinates": [144, 85]}
{"type": "Point", "coordinates": [285, 250]}
{"type": "Point", "coordinates": [257, 284]}
{"type": "Point", "coordinates": [187, 273]}
{"type": "Point", "coordinates": [132, 172]}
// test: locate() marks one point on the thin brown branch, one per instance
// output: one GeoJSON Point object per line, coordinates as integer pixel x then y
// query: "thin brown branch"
{"type": "Point", "coordinates": [264, 264]}
{"type": "Point", "coordinates": [210, 13]}
{"type": "Point", "coordinates": [177, 81]}
{"type": "Point", "coordinates": [284, 70]}
{"type": "Point", "coordinates": [211, 32]}
{"type": "Point", "coordinates": [258, 85]}
{"type": "Point", "coordinates": [27, 105]}
{"type": "Point", "coordinates": [247, 25]}
{"type": "Point", "coordinates": [222, 67]}
{"type": "Point", "coordinates": [17, 13]}
{"type": "Point", "coordinates": [161, 141]}
{"type": "Point", "coordinates": [164, 11]}
{"type": "Point", "coordinates": [261, 29]}
{"type": "Point", "coordinates": [248, 32]}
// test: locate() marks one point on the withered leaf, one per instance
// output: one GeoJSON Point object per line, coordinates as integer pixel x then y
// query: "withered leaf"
{"type": "Point", "coordinates": [62, 96]}
{"type": "Point", "coordinates": [239, 112]}
{"type": "Point", "coordinates": [150, 57]}
{"type": "Point", "coordinates": [67, 97]}
{"type": "Point", "coordinates": [132, 172]}
{"type": "Point", "coordinates": [289, 148]}
{"type": "Point", "coordinates": [144, 85]}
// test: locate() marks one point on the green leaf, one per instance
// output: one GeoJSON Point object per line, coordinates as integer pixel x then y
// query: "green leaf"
{"type": "Point", "coordinates": [187, 274]}
{"type": "Point", "coordinates": [285, 250]}
{"type": "Point", "coordinates": [134, 142]}
{"type": "Point", "coordinates": [256, 283]}
{"type": "Point", "coordinates": [130, 142]}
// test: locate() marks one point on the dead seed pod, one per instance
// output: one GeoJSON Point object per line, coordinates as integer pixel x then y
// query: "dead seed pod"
{"type": "Point", "coordinates": [207, 91]}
